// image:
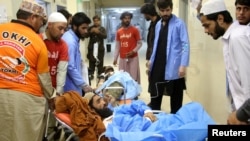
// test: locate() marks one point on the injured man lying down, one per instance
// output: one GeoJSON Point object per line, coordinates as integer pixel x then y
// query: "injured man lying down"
{"type": "Point", "coordinates": [135, 120]}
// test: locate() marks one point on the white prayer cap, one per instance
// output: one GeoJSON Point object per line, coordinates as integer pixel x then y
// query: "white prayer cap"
{"type": "Point", "coordinates": [213, 6]}
{"type": "Point", "coordinates": [56, 17]}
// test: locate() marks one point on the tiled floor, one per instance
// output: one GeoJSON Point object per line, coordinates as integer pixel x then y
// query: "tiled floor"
{"type": "Point", "coordinates": [144, 83]}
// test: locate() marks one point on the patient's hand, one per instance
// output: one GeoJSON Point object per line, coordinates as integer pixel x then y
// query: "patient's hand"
{"type": "Point", "coordinates": [151, 116]}
{"type": "Point", "coordinates": [110, 99]}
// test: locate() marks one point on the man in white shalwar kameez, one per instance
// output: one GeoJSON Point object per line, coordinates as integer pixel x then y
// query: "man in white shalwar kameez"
{"type": "Point", "coordinates": [218, 22]}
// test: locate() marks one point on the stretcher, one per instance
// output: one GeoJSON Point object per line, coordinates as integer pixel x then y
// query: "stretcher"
{"type": "Point", "coordinates": [65, 123]}
{"type": "Point", "coordinates": [62, 122]}
{"type": "Point", "coordinates": [195, 130]}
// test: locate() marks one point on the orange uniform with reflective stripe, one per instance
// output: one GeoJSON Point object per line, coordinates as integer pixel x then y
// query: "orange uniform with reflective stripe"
{"type": "Point", "coordinates": [23, 55]}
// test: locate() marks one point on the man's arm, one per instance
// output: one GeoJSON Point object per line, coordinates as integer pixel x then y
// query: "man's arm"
{"type": "Point", "coordinates": [142, 109]}
{"type": "Point", "coordinates": [117, 52]}
{"type": "Point", "coordinates": [61, 76]}
{"type": "Point", "coordinates": [44, 74]}
{"type": "Point", "coordinates": [243, 113]}
{"type": "Point", "coordinates": [241, 116]}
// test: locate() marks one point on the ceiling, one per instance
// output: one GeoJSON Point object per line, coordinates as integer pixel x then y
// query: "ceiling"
{"type": "Point", "coordinates": [119, 3]}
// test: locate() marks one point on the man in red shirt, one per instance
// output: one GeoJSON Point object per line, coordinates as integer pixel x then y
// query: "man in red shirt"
{"type": "Point", "coordinates": [57, 55]}
{"type": "Point", "coordinates": [128, 42]}
{"type": "Point", "coordinates": [57, 49]}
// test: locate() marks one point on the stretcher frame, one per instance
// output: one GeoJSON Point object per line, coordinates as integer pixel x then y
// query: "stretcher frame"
{"type": "Point", "coordinates": [62, 124]}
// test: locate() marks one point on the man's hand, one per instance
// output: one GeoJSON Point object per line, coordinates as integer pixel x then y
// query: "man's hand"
{"type": "Point", "coordinates": [115, 62]}
{"type": "Point", "coordinates": [151, 116]}
{"type": "Point", "coordinates": [87, 88]}
{"type": "Point", "coordinates": [182, 71]}
{"type": "Point", "coordinates": [51, 103]}
{"type": "Point", "coordinates": [95, 30]}
{"type": "Point", "coordinates": [233, 120]}
{"type": "Point", "coordinates": [130, 54]}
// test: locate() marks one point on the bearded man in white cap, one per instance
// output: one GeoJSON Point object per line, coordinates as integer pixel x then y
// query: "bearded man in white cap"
{"type": "Point", "coordinates": [218, 22]}
{"type": "Point", "coordinates": [25, 80]}
{"type": "Point", "coordinates": [58, 55]}
{"type": "Point", "coordinates": [57, 49]}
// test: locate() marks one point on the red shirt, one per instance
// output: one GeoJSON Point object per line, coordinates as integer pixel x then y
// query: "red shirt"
{"type": "Point", "coordinates": [128, 38]}
{"type": "Point", "coordinates": [57, 51]}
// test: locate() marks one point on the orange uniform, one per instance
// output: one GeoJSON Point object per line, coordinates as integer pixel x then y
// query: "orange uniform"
{"type": "Point", "coordinates": [22, 57]}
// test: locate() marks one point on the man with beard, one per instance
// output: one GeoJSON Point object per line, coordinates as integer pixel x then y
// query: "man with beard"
{"type": "Point", "coordinates": [25, 80]}
{"type": "Point", "coordinates": [57, 54]}
{"type": "Point", "coordinates": [99, 105]}
{"type": "Point", "coordinates": [57, 49]}
{"type": "Point", "coordinates": [169, 58]}
{"type": "Point", "coordinates": [74, 78]}
{"type": "Point", "coordinates": [128, 42]}
{"type": "Point", "coordinates": [218, 22]}
{"type": "Point", "coordinates": [243, 11]}
{"type": "Point", "coordinates": [150, 14]}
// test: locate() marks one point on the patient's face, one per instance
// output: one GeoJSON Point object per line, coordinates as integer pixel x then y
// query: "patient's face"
{"type": "Point", "coordinates": [98, 102]}
{"type": "Point", "coordinates": [99, 105]}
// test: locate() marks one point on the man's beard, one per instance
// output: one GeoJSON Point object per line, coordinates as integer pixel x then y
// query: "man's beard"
{"type": "Point", "coordinates": [126, 24]}
{"type": "Point", "coordinates": [56, 38]}
{"type": "Point", "coordinates": [219, 31]}
{"type": "Point", "coordinates": [82, 37]}
{"type": "Point", "coordinates": [166, 18]}
{"type": "Point", "coordinates": [104, 113]}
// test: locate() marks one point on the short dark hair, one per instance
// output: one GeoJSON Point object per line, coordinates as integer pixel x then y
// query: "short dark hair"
{"type": "Point", "coordinates": [242, 2]}
{"type": "Point", "coordinates": [21, 14]}
{"type": "Point", "coordinates": [162, 4]}
{"type": "Point", "coordinates": [227, 16]}
{"type": "Point", "coordinates": [80, 18]}
{"type": "Point", "coordinates": [96, 17]}
{"type": "Point", "coordinates": [65, 13]}
{"type": "Point", "coordinates": [148, 8]}
{"type": "Point", "coordinates": [124, 14]}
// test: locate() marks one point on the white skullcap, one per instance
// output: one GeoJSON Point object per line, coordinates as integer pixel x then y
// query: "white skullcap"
{"type": "Point", "coordinates": [213, 6]}
{"type": "Point", "coordinates": [56, 17]}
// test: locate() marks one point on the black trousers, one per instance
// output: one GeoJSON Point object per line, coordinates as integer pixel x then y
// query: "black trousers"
{"type": "Point", "coordinates": [172, 88]}
{"type": "Point", "coordinates": [93, 62]}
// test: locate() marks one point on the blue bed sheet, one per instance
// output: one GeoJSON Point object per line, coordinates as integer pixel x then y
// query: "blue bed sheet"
{"type": "Point", "coordinates": [190, 123]}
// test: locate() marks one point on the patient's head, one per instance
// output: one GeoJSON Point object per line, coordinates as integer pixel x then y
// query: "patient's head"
{"type": "Point", "coordinates": [98, 104]}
